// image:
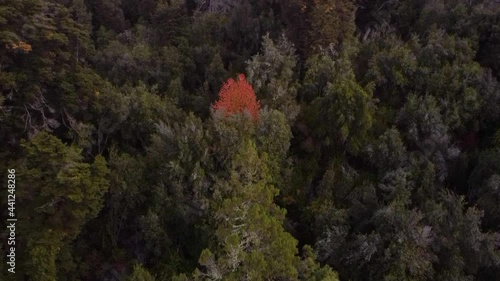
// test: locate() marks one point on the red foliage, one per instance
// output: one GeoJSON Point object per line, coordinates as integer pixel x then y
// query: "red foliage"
{"type": "Point", "coordinates": [236, 97]}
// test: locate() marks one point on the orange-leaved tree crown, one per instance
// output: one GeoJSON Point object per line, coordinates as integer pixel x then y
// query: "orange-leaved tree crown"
{"type": "Point", "coordinates": [236, 97]}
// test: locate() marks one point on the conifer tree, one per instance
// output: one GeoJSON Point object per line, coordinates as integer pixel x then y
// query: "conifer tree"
{"type": "Point", "coordinates": [59, 193]}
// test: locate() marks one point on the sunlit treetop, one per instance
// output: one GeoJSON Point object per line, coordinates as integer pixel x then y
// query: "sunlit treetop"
{"type": "Point", "coordinates": [237, 97]}
{"type": "Point", "coordinates": [21, 46]}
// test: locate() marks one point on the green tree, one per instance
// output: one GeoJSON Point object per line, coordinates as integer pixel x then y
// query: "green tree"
{"type": "Point", "coordinates": [59, 193]}
{"type": "Point", "coordinates": [331, 22]}
{"type": "Point", "coordinates": [272, 75]}
{"type": "Point", "coordinates": [341, 110]}
{"type": "Point", "coordinates": [249, 238]}
{"type": "Point", "coordinates": [140, 274]}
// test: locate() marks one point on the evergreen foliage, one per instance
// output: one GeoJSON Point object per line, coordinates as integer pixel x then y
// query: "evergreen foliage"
{"type": "Point", "coordinates": [251, 140]}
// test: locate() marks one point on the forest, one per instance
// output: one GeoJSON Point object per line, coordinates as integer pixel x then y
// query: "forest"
{"type": "Point", "coordinates": [257, 140]}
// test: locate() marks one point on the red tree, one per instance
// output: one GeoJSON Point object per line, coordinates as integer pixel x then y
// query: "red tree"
{"type": "Point", "coordinates": [236, 97]}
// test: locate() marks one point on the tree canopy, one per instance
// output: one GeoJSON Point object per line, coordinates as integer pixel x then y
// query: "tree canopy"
{"type": "Point", "coordinates": [317, 140]}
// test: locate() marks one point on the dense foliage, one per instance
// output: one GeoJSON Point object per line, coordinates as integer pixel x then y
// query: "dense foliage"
{"type": "Point", "coordinates": [237, 97]}
{"type": "Point", "coordinates": [252, 140]}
